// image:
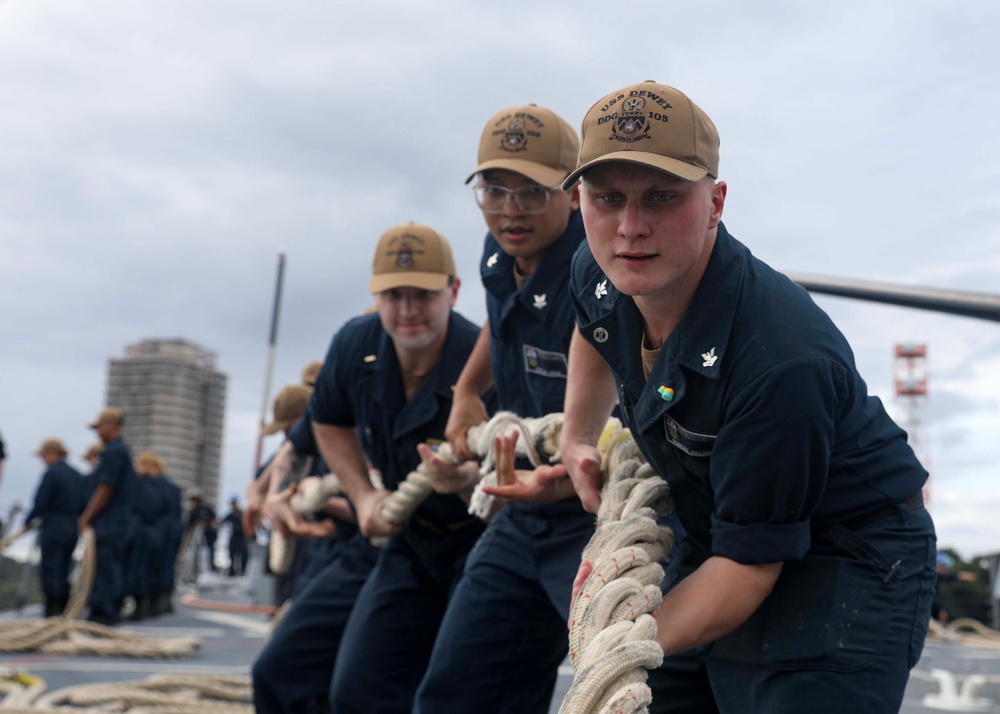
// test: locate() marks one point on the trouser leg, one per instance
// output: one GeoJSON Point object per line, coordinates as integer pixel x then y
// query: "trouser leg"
{"type": "Point", "coordinates": [293, 671]}
{"type": "Point", "coordinates": [388, 639]}
{"type": "Point", "coordinates": [502, 639]}
{"type": "Point", "coordinates": [842, 627]}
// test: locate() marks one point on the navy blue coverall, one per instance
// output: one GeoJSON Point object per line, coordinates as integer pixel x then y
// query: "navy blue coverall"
{"type": "Point", "coordinates": [389, 635]}
{"type": "Point", "coordinates": [172, 533]}
{"type": "Point", "coordinates": [293, 671]}
{"type": "Point", "coordinates": [59, 503]}
{"type": "Point", "coordinates": [112, 528]}
{"type": "Point", "coordinates": [147, 547]}
{"type": "Point", "coordinates": [775, 452]}
{"type": "Point", "coordinates": [504, 635]}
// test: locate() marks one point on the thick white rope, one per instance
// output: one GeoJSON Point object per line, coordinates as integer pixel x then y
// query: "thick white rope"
{"type": "Point", "coordinates": [612, 638]}
{"type": "Point", "coordinates": [280, 548]}
{"type": "Point", "coordinates": [83, 583]}
{"type": "Point", "coordinates": [25, 529]}
{"type": "Point", "coordinates": [539, 443]}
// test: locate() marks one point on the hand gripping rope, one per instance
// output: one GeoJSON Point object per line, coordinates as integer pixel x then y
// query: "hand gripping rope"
{"type": "Point", "coordinates": [612, 635]}
{"type": "Point", "coordinates": [539, 443]}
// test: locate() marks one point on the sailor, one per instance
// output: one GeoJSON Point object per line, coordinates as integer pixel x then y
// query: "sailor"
{"type": "Point", "coordinates": [289, 408]}
{"type": "Point", "coordinates": [504, 635]}
{"type": "Point", "coordinates": [258, 489]}
{"type": "Point", "coordinates": [293, 671]}
{"type": "Point", "coordinates": [92, 457]}
{"type": "Point", "coordinates": [147, 549]}
{"type": "Point", "coordinates": [237, 541]}
{"type": "Point", "coordinates": [203, 515]}
{"type": "Point", "coordinates": [807, 570]}
{"type": "Point", "coordinates": [109, 513]}
{"type": "Point", "coordinates": [172, 531]}
{"type": "Point", "coordinates": [386, 387]}
{"type": "Point", "coordinates": [58, 505]}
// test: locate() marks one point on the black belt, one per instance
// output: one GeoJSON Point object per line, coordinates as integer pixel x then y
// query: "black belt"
{"type": "Point", "coordinates": [439, 530]}
{"type": "Point", "coordinates": [912, 503]}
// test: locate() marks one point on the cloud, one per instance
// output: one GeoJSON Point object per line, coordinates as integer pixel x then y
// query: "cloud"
{"type": "Point", "coordinates": [155, 158]}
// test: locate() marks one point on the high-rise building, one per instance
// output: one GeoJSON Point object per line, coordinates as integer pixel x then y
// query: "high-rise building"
{"type": "Point", "coordinates": [173, 399]}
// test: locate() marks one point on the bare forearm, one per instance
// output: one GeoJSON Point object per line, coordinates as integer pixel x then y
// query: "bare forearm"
{"type": "Point", "coordinates": [340, 508]}
{"type": "Point", "coordinates": [477, 375]}
{"type": "Point", "coordinates": [713, 601]}
{"type": "Point", "coordinates": [280, 468]}
{"type": "Point", "coordinates": [342, 453]}
{"type": "Point", "coordinates": [590, 397]}
{"type": "Point", "coordinates": [98, 502]}
{"type": "Point", "coordinates": [591, 393]}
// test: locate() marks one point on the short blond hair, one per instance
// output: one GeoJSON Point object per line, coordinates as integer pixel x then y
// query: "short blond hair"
{"type": "Point", "coordinates": [149, 460]}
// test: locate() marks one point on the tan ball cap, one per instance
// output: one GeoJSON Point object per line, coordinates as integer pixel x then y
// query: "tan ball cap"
{"type": "Point", "coordinates": [411, 256]}
{"type": "Point", "coordinates": [650, 124]}
{"type": "Point", "coordinates": [108, 416]}
{"type": "Point", "coordinates": [289, 406]}
{"type": "Point", "coordinates": [311, 372]}
{"type": "Point", "coordinates": [530, 140]}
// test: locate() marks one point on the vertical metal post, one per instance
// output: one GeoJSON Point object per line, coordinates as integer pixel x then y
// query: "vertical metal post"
{"type": "Point", "coordinates": [269, 368]}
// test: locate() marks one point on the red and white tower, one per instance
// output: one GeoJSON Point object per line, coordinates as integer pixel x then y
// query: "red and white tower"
{"type": "Point", "coordinates": [911, 379]}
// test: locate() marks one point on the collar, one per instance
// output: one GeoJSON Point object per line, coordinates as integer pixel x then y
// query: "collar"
{"type": "Point", "coordinates": [537, 296]}
{"type": "Point", "coordinates": [699, 343]}
{"type": "Point", "coordinates": [440, 381]}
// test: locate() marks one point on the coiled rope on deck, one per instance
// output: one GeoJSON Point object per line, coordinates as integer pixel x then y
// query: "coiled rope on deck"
{"type": "Point", "coordinates": [83, 583]}
{"type": "Point", "coordinates": [159, 694]}
{"type": "Point", "coordinates": [965, 631]}
{"type": "Point", "coordinates": [59, 635]}
{"type": "Point", "coordinates": [69, 636]}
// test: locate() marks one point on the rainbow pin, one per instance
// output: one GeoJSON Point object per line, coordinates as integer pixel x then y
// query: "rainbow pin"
{"type": "Point", "coordinates": [666, 393]}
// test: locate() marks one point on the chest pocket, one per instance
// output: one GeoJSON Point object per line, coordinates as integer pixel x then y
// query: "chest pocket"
{"type": "Point", "coordinates": [545, 374]}
{"type": "Point", "coordinates": [692, 449]}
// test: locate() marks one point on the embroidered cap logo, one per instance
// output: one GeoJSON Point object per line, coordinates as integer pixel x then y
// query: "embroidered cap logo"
{"type": "Point", "coordinates": [631, 124]}
{"type": "Point", "coordinates": [404, 256]}
{"type": "Point", "coordinates": [514, 139]}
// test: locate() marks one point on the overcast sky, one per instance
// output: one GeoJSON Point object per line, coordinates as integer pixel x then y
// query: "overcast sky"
{"type": "Point", "coordinates": [155, 158]}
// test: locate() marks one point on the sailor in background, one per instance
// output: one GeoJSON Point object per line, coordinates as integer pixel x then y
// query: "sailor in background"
{"type": "Point", "coordinates": [109, 511]}
{"type": "Point", "coordinates": [237, 540]}
{"type": "Point", "coordinates": [58, 504]}
{"type": "Point", "coordinates": [171, 530]}
{"type": "Point", "coordinates": [203, 515]}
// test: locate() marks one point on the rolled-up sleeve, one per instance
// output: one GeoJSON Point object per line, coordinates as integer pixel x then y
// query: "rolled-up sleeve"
{"type": "Point", "coordinates": [771, 459]}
